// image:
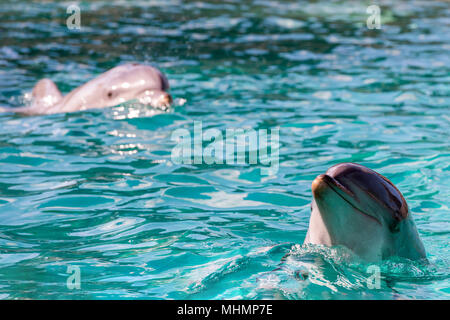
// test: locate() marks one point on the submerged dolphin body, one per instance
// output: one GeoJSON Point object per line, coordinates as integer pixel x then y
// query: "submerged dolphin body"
{"type": "Point", "coordinates": [360, 209]}
{"type": "Point", "coordinates": [127, 82]}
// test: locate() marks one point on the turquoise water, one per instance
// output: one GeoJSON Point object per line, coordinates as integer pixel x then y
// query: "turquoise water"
{"type": "Point", "coordinates": [98, 190]}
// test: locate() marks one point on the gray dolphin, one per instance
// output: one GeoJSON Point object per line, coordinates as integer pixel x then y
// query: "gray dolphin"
{"type": "Point", "coordinates": [127, 82]}
{"type": "Point", "coordinates": [360, 209]}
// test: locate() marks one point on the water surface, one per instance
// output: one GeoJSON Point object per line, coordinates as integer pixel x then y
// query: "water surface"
{"type": "Point", "coordinates": [98, 190]}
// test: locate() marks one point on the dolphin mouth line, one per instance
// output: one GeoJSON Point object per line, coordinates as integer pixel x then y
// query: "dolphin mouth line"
{"type": "Point", "coordinates": [333, 183]}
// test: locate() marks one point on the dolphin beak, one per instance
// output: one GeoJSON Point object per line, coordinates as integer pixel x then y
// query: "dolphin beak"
{"type": "Point", "coordinates": [156, 99]}
{"type": "Point", "coordinates": [318, 185]}
{"type": "Point", "coordinates": [324, 182]}
{"type": "Point", "coordinates": [166, 99]}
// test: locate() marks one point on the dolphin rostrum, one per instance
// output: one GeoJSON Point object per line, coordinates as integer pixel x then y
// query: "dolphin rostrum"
{"type": "Point", "coordinates": [142, 83]}
{"type": "Point", "coordinates": [358, 208]}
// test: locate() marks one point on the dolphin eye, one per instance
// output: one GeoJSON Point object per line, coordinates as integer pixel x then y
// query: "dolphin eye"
{"type": "Point", "coordinates": [110, 94]}
{"type": "Point", "coordinates": [394, 227]}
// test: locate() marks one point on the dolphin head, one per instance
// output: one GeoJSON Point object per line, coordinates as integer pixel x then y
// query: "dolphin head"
{"type": "Point", "coordinates": [129, 82]}
{"type": "Point", "coordinates": [143, 83]}
{"type": "Point", "coordinates": [362, 210]}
